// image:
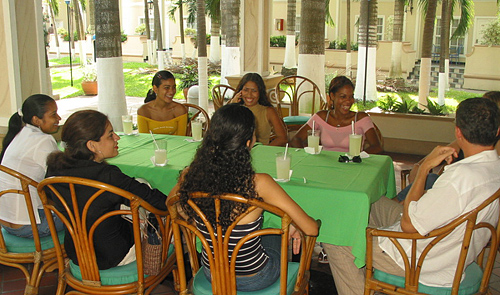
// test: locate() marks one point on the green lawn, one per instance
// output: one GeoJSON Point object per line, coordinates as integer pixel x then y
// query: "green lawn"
{"type": "Point", "coordinates": [137, 79]}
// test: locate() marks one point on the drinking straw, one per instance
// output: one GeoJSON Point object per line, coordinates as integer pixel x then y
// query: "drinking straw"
{"type": "Point", "coordinates": [352, 126]}
{"type": "Point", "coordinates": [313, 127]}
{"type": "Point", "coordinates": [286, 151]}
{"type": "Point", "coordinates": [154, 140]}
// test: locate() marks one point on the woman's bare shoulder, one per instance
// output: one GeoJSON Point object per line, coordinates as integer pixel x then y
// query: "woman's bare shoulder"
{"type": "Point", "coordinates": [179, 109]}
{"type": "Point", "coordinates": [322, 114]}
{"type": "Point", "coordinates": [145, 109]}
{"type": "Point", "coordinates": [362, 115]}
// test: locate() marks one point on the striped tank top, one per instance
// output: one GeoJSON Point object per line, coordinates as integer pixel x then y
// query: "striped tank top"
{"type": "Point", "coordinates": [251, 257]}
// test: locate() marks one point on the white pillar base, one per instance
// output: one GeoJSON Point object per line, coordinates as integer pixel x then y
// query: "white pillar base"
{"type": "Point", "coordinates": [111, 89]}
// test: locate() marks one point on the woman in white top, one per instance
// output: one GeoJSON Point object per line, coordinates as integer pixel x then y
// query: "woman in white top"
{"type": "Point", "coordinates": [25, 150]}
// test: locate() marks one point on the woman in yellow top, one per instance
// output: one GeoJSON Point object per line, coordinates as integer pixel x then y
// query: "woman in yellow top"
{"type": "Point", "coordinates": [162, 115]}
{"type": "Point", "coordinates": [251, 92]}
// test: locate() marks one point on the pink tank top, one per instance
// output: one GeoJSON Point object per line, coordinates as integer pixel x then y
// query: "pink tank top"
{"type": "Point", "coordinates": [337, 138]}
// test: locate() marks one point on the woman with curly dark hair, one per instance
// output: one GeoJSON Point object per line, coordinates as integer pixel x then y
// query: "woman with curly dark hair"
{"type": "Point", "coordinates": [223, 165]}
{"type": "Point", "coordinates": [251, 92]}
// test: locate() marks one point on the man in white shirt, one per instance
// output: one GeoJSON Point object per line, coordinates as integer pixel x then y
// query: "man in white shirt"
{"type": "Point", "coordinates": [462, 187]}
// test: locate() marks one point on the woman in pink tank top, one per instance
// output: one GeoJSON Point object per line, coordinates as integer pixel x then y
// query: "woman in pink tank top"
{"type": "Point", "coordinates": [335, 123]}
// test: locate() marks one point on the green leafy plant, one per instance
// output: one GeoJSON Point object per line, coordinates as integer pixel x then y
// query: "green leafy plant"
{"type": "Point", "coordinates": [89, 73]}
{"type": "Point", "coordinates": [141, 29]}
{"type": "Point", "coordinates": [491, 34]}
{"type": "Point", "coordinates": [342, 45]}
{"type": "Point", "coordinates": [65, 34]}
{"type": "Point", "coordinates": [190, 32]}
{"type": "Point", "coordinates": [123, 37]}
{"type": "Point", "coordinates": [387, 103]}
{"type": "Point", "coordinates": [435, 108]}
{"type": "Point", "coordinates": [406, 105]}
{"type": "Point", "coordinates": [278, 41]}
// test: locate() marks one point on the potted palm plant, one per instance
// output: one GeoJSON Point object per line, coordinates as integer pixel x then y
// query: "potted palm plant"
{"type": "Point", "coordinates": [89, 81]}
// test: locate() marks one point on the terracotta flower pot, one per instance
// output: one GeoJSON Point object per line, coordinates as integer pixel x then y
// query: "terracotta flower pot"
{"type": "Point", "coordinates": [90, 88]}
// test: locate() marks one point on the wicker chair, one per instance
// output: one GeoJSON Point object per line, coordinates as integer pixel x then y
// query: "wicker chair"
{"type": "Point", "coordinates": [196, 115]}
{"type": "Point", "coordinates": [222, 266]}
{"type": "Point", "coordinates": [219, 94]}
{"type": "Point", "coordinates": [18, 252]}
{"type": "Point", "coordinates": [86, 277]}
{"type": "Point", "coordinates": [477, 275]}
{"type": "Point", "coordinates": [293, 89]}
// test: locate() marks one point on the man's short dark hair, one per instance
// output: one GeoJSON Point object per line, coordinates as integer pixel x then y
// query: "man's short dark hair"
{"type": "Point", "coordinates": [478, 118]}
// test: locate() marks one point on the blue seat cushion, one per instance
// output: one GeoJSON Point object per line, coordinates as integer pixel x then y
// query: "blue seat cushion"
{"type": "Point", "coordinates": [296, 120]}
{"type": "Point", "coordinates": [202, 286]}
{"type": "Point", "coordinates": [17, 244]}
{"type": "Point", "coordinates": [469, 285]}
{"type": "Point", "coordinates": [118, 275]}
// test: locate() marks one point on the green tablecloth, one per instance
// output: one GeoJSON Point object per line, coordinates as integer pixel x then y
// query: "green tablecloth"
{"type": "Point", "coordinates": [339, 194]}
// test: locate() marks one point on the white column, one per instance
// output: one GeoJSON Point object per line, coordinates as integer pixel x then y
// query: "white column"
{"type": "Point", "coordinates": [255, 32]}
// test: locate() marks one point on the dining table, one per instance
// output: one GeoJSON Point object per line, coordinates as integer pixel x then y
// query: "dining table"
{"type": "Point", "coordinates": [337, 193]}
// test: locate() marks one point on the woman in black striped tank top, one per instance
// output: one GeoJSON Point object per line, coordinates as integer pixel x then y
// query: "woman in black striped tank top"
{"type": "Point", "coordinates": [223, 165]}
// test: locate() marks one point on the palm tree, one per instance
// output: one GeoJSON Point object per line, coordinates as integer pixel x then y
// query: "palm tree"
{"type": "Point", "coordinates": [146, 20]}
{"type": "Point", "coordinates": [231, 27]}
{"type": "Point", "coordinates": [54, 11]}
{"type": "Point", "coordinates": [157, 26]}
{"type": "Point", "coordinates": [366, 86]}
{"type": "Point", "coordinates": [92, 16]}
{"type": "Point", "coordinates": [397, 40]}
{"type": "Point", "coordinates": [79, 9]}
{"type": "Point", "coordinates": [466, 17]}
{"type": "Point", "coordinates": [109, 62]}
{"type": "Point", "coordinates": [289, 62]}
{"type": "Point", "coordinates": [348, 54]}
{"type": "Point", "coordinates": [311, 44]}
{"type": "Point", "coordinates": [429, 7]}
{"type": "Point", "coordinates": [213, 10]}
{"type": "Point", "coordinates": [179, 6]}
{"type": "Point", "coordinates": [444, 58]}
{"type": "Point", "coordinates": [202, 55]}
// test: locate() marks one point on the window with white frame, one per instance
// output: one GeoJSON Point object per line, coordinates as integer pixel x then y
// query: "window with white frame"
{"type": "Point", "coordinates": [456, 45]}
{"type": "Point", "coordinates": [380, 27]}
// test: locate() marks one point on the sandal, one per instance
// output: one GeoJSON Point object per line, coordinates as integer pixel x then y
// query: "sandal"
{"type": "Point", "coordinates": [322, 258]}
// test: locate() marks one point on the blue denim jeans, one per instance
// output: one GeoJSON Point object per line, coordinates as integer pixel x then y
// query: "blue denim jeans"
{"type": "Point", "coordinates": [266, 276]}
{"type": "Point", "coordinates": [429, 182]}
{"type": "Point", "coordinates": [43, 227]}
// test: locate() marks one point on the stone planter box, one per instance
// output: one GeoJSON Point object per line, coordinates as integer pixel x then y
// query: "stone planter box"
{"type": "Point", "coordinates": [413, 133]}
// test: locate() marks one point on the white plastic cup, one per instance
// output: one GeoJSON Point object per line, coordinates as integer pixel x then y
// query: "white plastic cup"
{"type": "Point", "coordinates": [160, 152]}
{"type": "Point", "coordinates": [313, 139]}
{"type": "Point", "coordinates": [196, 130]}
{"type": "Point", "coordinates": [127, 124]}
{"type": "Point", "coordinates": [283, 166]}
{"type": "Point", "coordinates": [355, 144]}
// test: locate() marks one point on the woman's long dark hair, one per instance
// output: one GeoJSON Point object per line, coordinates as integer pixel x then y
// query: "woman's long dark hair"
{"type": "Point", "coordinates": [157, 78]}
{"type": "Point", "coordinates": [261, 86]}
{"type": "Point", "coordinates": [80, 127]}
{"type": "Point", "coordinates": [222, 164]}
{"type": "Point", "coordinates": [35, 105]}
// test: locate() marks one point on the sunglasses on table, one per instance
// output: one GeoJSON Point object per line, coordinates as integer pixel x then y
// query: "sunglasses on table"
{"type": "Point", "coordinates": [345, 159]}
